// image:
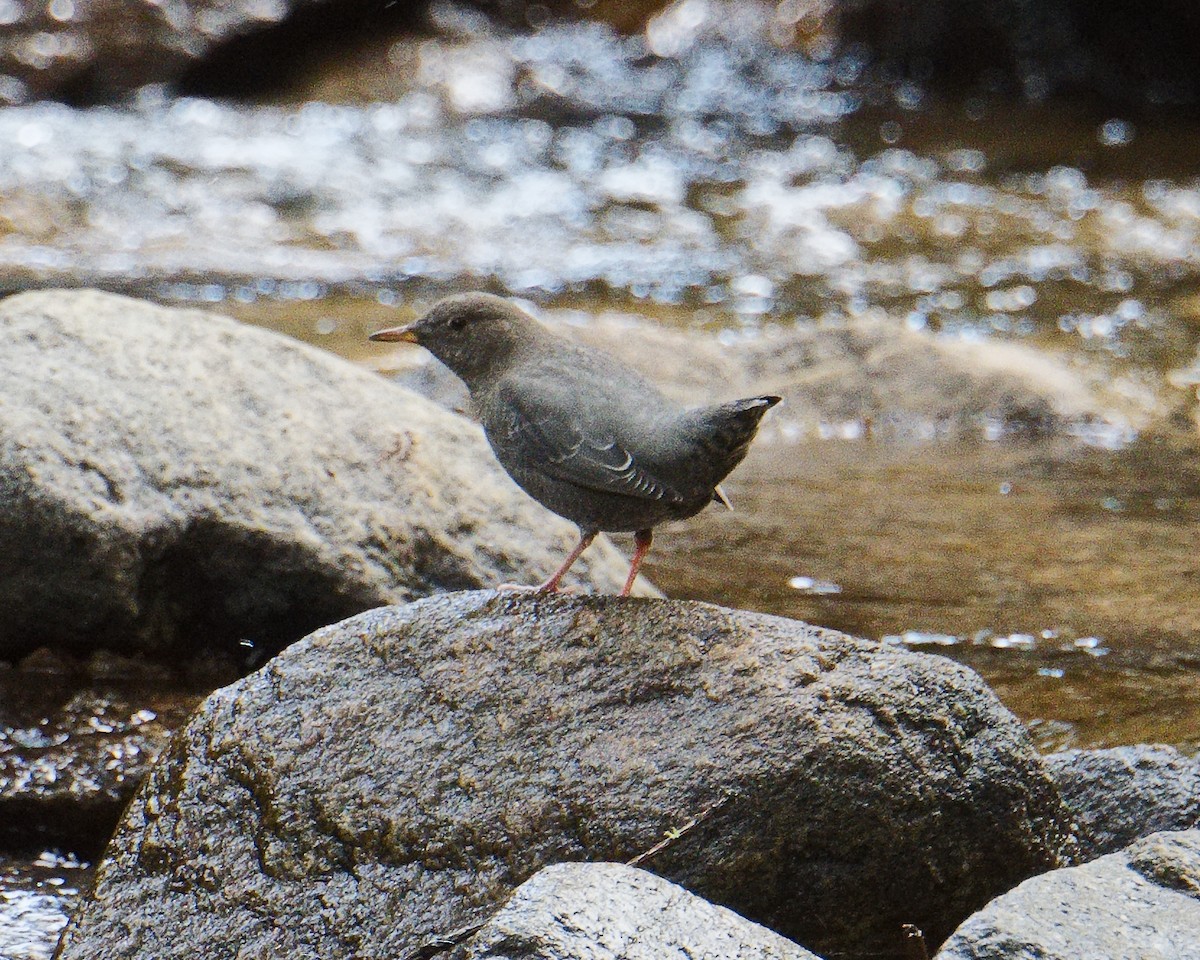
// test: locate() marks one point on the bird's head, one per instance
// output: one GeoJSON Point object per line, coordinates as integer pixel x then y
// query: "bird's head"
{"type": "Point", "coordinates": [472, 333]}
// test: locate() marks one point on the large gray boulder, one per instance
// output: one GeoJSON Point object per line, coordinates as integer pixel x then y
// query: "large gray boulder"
{"type": "Point", "coordinates": [1140, 904]}
{"type": "Point", "coordinates": [172, 478]}
{"type": "Point", "coordinates": [1125, 793]}
{"type": "Point", "coordinates": [609, 911]}
{"type": "Point", "coordinates": [394, 777]}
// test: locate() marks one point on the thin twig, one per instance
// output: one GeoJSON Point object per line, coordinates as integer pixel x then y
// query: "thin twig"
{"type": "Point", "coordinates": [676, 834]}
{"type": "Point", "coordinates": [431, 948]}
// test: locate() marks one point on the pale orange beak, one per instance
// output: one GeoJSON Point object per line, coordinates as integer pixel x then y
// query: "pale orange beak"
{"type": "Point", "coordinates": [405, 334]}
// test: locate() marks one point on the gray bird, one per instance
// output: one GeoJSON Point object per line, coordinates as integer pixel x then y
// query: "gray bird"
{"type": "Point", "coordinates": [582, 434]}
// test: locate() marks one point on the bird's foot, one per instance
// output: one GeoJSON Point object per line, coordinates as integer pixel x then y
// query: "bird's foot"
{"type": "Point", "coordinates": [540, 588]}
{"type": "Point", "coordinates": [516, 587]}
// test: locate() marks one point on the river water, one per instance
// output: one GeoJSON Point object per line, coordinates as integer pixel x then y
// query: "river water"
{"type": "Point", "coordinates": [700, 178]}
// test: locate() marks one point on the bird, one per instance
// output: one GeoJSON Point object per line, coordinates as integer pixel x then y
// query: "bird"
{"type": "Point", "coordinates": [583, 434]}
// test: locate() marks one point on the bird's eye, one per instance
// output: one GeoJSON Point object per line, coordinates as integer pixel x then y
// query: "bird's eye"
{"type": "Point", "coordinates": [456, 323]}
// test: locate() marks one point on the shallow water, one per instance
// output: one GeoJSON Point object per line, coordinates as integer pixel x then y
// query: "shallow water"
{"type": "Point", "coordinates": [37, 892]}
{"type": "Point", "coordinates": [75, 739]}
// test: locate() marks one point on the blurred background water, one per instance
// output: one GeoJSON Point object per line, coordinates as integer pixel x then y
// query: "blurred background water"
{"type": "Point", "coordinates": [1013, 201]}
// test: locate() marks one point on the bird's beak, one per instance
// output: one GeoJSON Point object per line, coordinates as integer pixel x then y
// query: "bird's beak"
{"type": "Point", "coordinates": [405, 334]}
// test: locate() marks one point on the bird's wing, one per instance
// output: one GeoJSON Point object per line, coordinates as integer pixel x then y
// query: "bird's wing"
{"type": "Point", "coordinates": [555, 437]}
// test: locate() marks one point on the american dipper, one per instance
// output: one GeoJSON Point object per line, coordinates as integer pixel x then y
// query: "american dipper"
{"type": "Point", "coordinates": [581, 433]}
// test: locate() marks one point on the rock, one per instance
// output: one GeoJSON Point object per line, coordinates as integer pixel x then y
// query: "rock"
{"type": "Point", "coordinates": [609, 911]}
{"type": "Point", "coordinates": [1056, 49]}
{"type": "Point", "coordinates": [1123, 794]}
{"type": "Point", "coordinates": [1140, 904]}
{"type": "Point", "coordinates": [172, 479]}
{"type": "Point", "coordinates": [97, 48]}
{"type": "Point", "coordinates": [394, 777]}
{"type": "Point", "coordinates": [880, 378]}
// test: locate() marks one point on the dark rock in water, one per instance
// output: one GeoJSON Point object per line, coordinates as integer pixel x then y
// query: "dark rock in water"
{"type": "Point", "coordinates": [1140, 904]}
{"type": "Point", "coordinates": [394, 777]}
{"type": "Point", "coordinates": [1123, 794]}
{"type": "Point", "coordinates": [1129, 55]}
{"type": "Point", "coordinates": [609, 911]}
{"type": "Point", "coordinates": [89, 50]}
{"type": "Point", "coordinates": [172, 479]}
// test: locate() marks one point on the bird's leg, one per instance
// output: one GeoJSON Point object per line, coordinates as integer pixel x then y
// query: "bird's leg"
{"type": "Point", "coordinates": [585, 540]}
{"type": "Point", "coordinates": [641, 541]}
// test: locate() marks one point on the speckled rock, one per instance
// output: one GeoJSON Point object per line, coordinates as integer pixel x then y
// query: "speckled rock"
{"type": "Point", "coordinates": [174, 479]}
{"type": "Point", "coordinates": [1140, 904]}
{"type": "Point", "coordinates": [394, 777]}
{"type": "Point", "coordinates": [1123, 794]}
{"type": "Point", "coordinates": [609, 911]}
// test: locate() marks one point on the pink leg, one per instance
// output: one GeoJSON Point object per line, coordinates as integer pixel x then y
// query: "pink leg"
{"type": "Point", "coordinates": [641, 541]}
{"type": "Point", "coordinates": [585, 541]}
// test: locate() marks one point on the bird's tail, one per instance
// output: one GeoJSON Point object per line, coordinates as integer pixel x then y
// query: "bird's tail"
{"type": "Point", "coordinates": [724, 431]}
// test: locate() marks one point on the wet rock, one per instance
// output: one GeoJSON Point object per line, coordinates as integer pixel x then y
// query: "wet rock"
{"type": "Point", "coordinates": [1140, 904]}
{"type": "Point", "coordinates": [392, 778]}
{"type": "Point", "coordinates": [1123, 794]}
{"type": "Point", "coordinates": [94, 48]}
{"type": "Point", "coordinates": [175, 480]}
{"type": "Point", "coordinates": [609, 911]}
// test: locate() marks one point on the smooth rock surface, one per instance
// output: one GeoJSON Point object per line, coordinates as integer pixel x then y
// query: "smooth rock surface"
{"type": "Point", "coordinates": [392, 778]}
{"type": "Point", "coordinates": [610, 911]}
{"type": "Point", "coordinates": [1125, 793]}
{"type": "Point", "coordinates": [1140, 904]}
{"type": "Point", "coordinates": [893, 381]}
{"type": "Point", "coordinates": [174, 479]}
